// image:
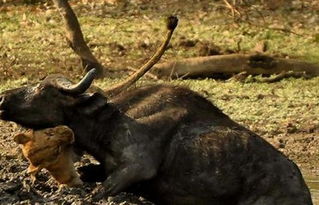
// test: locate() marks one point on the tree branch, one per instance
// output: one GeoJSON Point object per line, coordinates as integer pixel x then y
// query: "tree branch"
{"type": "Point", "coordinates": [75, 37]}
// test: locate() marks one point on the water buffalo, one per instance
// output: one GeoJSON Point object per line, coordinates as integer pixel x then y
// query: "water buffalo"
{"type": "Point", "coordinates": [169, 141]}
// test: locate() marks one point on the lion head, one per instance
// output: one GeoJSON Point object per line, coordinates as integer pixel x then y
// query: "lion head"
{"type": "Point", "coordinates": [50, 149]}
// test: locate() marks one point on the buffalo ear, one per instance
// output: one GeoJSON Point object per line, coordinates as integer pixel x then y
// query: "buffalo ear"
{"type": "Point", "coordinates": [21, 138]}
{"type": "Point", "coordinates": [64, 134]}
{"type": "Point", "coordinates": [91, 103]}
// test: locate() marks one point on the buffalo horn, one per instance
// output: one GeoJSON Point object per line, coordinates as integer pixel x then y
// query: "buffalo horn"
{"type": "Point", "coordinates": [80, 87]}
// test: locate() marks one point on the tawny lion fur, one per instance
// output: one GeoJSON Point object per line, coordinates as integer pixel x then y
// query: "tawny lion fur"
{"type": "Point", "coordinates": [50, 149]}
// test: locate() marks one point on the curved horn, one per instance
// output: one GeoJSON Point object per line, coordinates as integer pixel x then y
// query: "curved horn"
{"type": "Point", "coordinates": [171, 24]}
{"type": "Point", "coordinates": [78, 88]}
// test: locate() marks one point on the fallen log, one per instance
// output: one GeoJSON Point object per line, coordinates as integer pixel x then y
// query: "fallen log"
{"type": "Point", "coordinates": [252, 64]}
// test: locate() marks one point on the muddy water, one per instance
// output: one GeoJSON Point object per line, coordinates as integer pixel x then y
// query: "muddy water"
{"type": "Point", "coordinates": [313, 183]}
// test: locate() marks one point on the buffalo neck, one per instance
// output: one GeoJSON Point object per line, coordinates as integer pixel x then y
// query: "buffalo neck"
{"type": "Point", "coordinates": [87, 129]}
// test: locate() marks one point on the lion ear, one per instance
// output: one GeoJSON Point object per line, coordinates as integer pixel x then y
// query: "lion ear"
{"type": "Point", "coordinates": [21, 138]}
{"type": "Point", "coordinates": [65, 134]}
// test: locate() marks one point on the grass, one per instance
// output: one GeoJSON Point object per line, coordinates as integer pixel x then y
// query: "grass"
{"type": "Point", "coordinates": [41, 45]}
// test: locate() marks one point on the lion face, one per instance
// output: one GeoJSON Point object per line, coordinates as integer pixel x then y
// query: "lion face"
{"type": "Point", "coordinates": [50, 149]}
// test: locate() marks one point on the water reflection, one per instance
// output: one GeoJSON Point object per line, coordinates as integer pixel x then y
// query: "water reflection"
{"type": "Point", "coordinates": [313, 184]}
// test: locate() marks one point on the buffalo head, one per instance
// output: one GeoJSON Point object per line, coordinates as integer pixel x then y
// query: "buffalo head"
{"type": "Point", "coordinates": [44, 104]}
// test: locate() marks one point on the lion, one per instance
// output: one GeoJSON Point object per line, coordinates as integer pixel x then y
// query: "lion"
{"type": "Point", "coordinates": [51, 149]}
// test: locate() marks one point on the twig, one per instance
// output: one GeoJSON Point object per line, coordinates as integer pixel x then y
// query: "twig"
{"type": "Point", "coordinates": [283, 75]}
{"type": "Point", "coordinates": [285, 30]}
{"type": "Point", "coordinates": [238, 45]}
{"type": "Point", "coordinates": [232, 8]}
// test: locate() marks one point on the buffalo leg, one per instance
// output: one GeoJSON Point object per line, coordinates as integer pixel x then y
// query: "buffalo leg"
{"type": "Point", "coordinates": [121, 179]}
